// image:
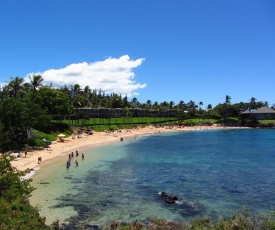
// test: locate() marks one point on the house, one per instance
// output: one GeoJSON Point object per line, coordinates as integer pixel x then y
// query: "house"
{"type": "Point", "coordinates": [263, 113]}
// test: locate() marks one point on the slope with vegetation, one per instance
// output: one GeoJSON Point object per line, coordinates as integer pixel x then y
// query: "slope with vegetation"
{"type": "Point", "coordinates": [15, 209]}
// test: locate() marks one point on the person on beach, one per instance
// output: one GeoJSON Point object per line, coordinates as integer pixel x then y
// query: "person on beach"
{"type": "Point", "coordinates": [76, 163]}
{"type": "Point", "coordinates": [76, 153]}
{"type": "Point", "coordinates": [82, 156]}
{"type": "Point", "coordinates": [39, 160]}
{"type": "Point", "coordinates": [68, 164]}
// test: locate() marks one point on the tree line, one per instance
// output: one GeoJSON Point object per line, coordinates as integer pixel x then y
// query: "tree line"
{"type": "Point", "coordinates": [31, 104]}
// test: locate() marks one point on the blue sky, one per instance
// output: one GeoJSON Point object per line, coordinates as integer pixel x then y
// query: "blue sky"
{"type": "Point", "coordinates": [159, 50]}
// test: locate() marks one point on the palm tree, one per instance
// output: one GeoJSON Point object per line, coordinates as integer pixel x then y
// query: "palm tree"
{"type": "Point", "coordinates": [209, 109]}
{"type": "Point", "coordinates": [116, 101]}
{"type": "Point", "coordinates": [36, 82]}
{"type": "Point", "coordinates": [27, 87]}
{"type": "Point", "coordinates": [227, 99]}
{"type": "Point", "coordinates": [135, 102]}
{"type": "Point", "coordinates": [171, 104]}
{"type": "Point", "coordinates": [200, 109]}
{"type": "Point", "coordinates": [200, 104]}
{"type": "Point", "coordinates": [86, 94]}
{"type": "Point", "coordinates": [125, 101]}
{"type": "Point", "coordinates": [16, 86]}
{"type": "Point", "coordinates": [155, 105]}
{"type": "Point", "coordinates": [75, 90]}
{"type": "Point", "coordinates": [4, 91]}
{"type": "Point", "coordinates": [181, 105]}
{"type": "Point", "coordinates": [191, 108]}
{"type": "Point", "coordinates": [227, 102]}
{"type": "Point", "coordinates": [165, 105]}
{"type": "Point", "coordinates": [252, 103]}
{"type": "Point", "coordinates": [149, 104]}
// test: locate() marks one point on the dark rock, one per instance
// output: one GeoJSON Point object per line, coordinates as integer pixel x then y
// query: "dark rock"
{"type": "Point", "coordinates": [174, 197]}
{"type": "Point", "coordinates": [169, 199]}
{"type": "Point", "coordinates": [163, 194]}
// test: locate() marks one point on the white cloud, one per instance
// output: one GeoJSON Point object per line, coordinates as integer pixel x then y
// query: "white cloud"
{"type": "Point", "coordinates": [113, 75]}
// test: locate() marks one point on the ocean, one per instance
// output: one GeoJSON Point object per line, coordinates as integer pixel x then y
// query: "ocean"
{"type": "Point", "coordinates": [214, 173]}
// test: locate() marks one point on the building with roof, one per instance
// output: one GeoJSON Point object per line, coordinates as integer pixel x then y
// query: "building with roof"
{"type": "Point", "coordinates": [263, 113]}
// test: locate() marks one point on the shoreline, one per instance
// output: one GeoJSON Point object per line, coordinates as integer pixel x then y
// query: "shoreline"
{"type": "Point", "coordinates": [98, 138]}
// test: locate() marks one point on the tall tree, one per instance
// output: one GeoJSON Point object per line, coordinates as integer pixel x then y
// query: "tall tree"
{"type": "Point", "coordinates": [200, 104]}
{"type": "Point", "coordinates": [54, 101]}
{"type": "Point", "coordinates": [135, 103]}
{"type": "Point", "coordinates": [225, 105]}
{"type": "Point", "coordinates": [209, 110]}
{"type": "Point", "coordinates": [36, 82]}
{"type": "Point", "coordinates": [116, 101]}
{"type": "Point", "coordinates": [4, 92]}
{"type": "Point", "coordinates": [191, 105]}
{"type": "Point", "coordinates": [181, 105]}
{"type": "Point", "coordinates": [16, 116]}
{"type": "Point", "coordinates": [252, 103]}
{"type": "Point", "coordinates": [149, 104]}
{"type": "Point", "coordinates": [227, 100]}
{"type": "Point", "coordinates": [75, 90]}
{"type": "Point", "coordinates": [171, 104]}
{"type": "Point", "coordinates": [86, 94]}
{"type": "Point", "coordinates": [125, 101]}
{"type": "Point", "coordinates": [16, 86]}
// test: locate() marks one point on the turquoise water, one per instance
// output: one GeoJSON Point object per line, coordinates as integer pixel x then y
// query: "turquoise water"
{"type": "Point", "coordinates": [213, 173]}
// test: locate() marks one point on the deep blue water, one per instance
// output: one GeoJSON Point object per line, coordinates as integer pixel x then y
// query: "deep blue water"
{"type": "Point", "coordinates": [213, 173]}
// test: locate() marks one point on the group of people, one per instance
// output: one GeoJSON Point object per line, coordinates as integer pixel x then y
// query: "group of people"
{"type": "Point", "coordinates": [71, 155]}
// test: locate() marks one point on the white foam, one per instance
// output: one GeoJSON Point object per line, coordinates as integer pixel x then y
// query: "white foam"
{"type": "Point", "coordinates": [178, 202]}
{"type": "Point", "coordinates": [30, 174]}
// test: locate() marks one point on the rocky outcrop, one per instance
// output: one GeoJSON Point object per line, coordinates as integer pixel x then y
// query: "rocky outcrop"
{"type": "Point", "coordinates": [169, 199]}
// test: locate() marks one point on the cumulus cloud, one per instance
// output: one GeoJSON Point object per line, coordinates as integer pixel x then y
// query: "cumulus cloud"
{"type": "Point", "coordinates": [113, 75]}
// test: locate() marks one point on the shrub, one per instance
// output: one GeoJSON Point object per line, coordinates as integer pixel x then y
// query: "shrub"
{"type": "Point", "coordinates": [113, 128]}
{"type": "Point", "coordinates": [35, 142]}
{"type": "Point", "coordinates": [15, 210]}
{"type": "Point", "coordinates": [42, 135]}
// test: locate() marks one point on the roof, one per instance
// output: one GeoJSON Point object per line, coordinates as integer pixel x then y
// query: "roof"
{"type": "Point", "coordinates": [261, 110]}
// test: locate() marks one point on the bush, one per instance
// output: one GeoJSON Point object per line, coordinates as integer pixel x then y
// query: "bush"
{"type": "Point", "coordinates": [35, 142]}
{"type": "Point", "coordinates": [15, 210]}
{"type": "Point", "coordinates": [113, 128]}
{"type": "Point", "coordinates": [41, 135]}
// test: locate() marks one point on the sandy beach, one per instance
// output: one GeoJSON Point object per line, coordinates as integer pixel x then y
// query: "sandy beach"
{"type": "Point", "coordinates": [98, 138]}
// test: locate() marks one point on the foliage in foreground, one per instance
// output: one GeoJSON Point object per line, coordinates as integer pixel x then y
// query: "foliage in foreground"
{"type": "Point", "coordinates": [15, 210]}
{"type": "Point", "coordinates": [242, 220]}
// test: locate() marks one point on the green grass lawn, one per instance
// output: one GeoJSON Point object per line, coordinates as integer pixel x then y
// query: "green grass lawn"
{"type": "Point", "coordinates": [266, 121]}
{"type": "Point", "coordinates": [136, 121]}
{"type": "Point", "coordinates": [120, 120]}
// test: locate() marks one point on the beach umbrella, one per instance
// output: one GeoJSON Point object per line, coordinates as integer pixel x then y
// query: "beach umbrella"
{"type": "Point", "coordinates": [61, 135]}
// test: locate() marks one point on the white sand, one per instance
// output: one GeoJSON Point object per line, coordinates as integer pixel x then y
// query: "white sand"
{"type": "Point", "coordinates": [98, 138]}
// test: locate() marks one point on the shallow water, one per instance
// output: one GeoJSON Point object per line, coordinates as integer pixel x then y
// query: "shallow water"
{"type": "Point", "coordinates": [214, 173]}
